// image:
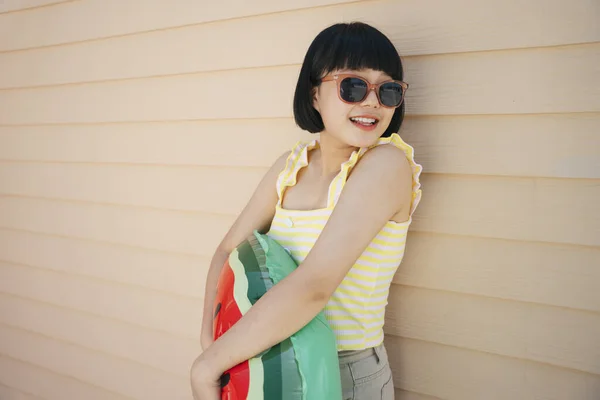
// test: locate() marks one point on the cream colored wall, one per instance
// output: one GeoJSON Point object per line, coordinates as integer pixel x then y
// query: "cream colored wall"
{"type": "Point", "coordinates": [124, 157]}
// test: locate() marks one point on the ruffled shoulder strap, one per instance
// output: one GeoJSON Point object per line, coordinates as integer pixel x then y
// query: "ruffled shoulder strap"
{"type": "Point", "coordinates": [297, 159]}
{"type": "Point", "coordinates": [395, 139]}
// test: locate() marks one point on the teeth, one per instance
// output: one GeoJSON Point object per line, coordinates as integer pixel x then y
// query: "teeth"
{"type": "Point", "coordinates": [363, 120]}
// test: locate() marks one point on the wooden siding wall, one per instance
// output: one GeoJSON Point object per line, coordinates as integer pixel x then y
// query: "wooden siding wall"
{"type": "Point", "coordinates": [126, 152]}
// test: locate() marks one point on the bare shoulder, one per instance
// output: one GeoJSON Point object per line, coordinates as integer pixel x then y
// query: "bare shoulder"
{"type": "Point", "coordinates": [387, 161]}
{"type": "Point", "coordinates": [282, 159]}
{"type": "Point", "coordinates": [279, 164]}
{"type": "Point", "coordinates": [385, 172]}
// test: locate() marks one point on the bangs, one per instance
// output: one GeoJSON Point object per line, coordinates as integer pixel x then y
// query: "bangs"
{"type": "Point", "coordinates": [354, 46]}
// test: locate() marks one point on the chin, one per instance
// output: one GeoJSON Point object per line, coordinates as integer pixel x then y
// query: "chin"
{"type": "Point", "coordinates": [364, 139]}
{"type": "Point", "coordinates": [356, 137]}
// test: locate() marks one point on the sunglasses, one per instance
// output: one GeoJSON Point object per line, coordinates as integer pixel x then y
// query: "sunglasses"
{"type": "Point", "coordinates": [354, 89]}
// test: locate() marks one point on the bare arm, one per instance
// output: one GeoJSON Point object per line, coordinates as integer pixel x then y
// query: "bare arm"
{"type": "Point", "coordinates": [258, 215]}
{"type": "Point", "coordinates": [382, 173]}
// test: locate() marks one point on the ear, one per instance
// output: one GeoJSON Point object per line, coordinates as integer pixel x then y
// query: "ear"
{"type": "Point", "coordinates": [315, 98]}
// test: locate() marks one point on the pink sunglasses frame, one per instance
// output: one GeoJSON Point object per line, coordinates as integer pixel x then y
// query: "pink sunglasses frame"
{"type": "Point", "coordinates": [338, 78]}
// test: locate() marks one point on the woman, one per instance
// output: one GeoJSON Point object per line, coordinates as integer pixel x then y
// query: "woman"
{"type": "Point", "coordinates": [341, 204]}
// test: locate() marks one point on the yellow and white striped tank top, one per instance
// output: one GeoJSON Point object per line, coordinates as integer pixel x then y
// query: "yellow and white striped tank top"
{"type": "Point", "coordinates": [356, 310]}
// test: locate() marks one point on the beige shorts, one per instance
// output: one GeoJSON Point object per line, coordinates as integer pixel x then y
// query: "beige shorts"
{"type": "Point", "coordinates": [366, 374]}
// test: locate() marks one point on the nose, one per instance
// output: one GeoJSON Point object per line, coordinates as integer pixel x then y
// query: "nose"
{"type": "Point", "coordinates": [371, 100]}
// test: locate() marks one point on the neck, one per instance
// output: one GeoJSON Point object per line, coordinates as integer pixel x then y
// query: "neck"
{"type": "Point", "coordinates": [332, 154]}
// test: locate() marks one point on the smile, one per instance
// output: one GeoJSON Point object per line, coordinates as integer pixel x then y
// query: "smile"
{"type": "Point", "coordinates": [364, 123]}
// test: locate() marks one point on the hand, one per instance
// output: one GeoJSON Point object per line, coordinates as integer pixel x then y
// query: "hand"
{"type": "Point", "coordinates": [206, 382]}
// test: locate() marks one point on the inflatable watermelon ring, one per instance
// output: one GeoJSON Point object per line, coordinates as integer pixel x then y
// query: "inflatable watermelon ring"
{"type": "Point", "coordinates": [303, 367]}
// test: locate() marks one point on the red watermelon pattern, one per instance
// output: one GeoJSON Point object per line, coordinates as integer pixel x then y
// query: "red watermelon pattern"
{"type": "Point", "coordinates": [226, 314]}
{"type": "Point", "coordinates": [243, 280]}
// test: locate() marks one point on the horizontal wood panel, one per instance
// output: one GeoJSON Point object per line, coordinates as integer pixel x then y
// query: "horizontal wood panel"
{"type": "Point", "coordinates": [406, 395]}
{"type": "Point", "coordinates": [453, 373]}
{"type": "Point", "coordinates": [529, 82]}
{"type": "Point", "coordinates": [190, 233]}
{"type": "Point", "coordinates": [92, 19]}
{"type": "Point", "coordinates": [114, 374]}
{"type": "Point", "coordinates": [496, 207]}
{"type": "Point", "coordinates": [178, 316]}
{"type": "Point", "coordinates": [184, 232]}
{"type": "Point", "coordinates": [509, 328]}
{"type": "Point", "coordinates": [49, 385]}
{"type": "Point", "coordinates": [22, 5]}
{"type": "Point", "coordinates": [219, 190]}
{"type": "Point", "coordinates": [552, 274]}
{"type": "Point", "coordinates": [564, 145]}
{"type": "Point", "coordinates": [412, 27]}
{"type": "Point", "coordinates": [169, 272]}
{"type": "Point", "coordinates": [536, 209]}
{"type": "Point", "coordinates": [156, 349]}
{"type": "Point", "coordinates": [246, 142]}
{"type": "Point", "coordinates": [470, 83]}
{"type": "Point", "coordinates": [10, 393]}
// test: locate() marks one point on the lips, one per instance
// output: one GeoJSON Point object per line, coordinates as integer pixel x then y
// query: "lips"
{"type": "Point", "coordinates": [365, 122]}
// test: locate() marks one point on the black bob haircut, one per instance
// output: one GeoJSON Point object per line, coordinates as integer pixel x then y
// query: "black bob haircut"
{"type": "Point", "coordinates": [353, 46]}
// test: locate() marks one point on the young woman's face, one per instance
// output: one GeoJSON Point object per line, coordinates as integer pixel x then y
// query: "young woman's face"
{"type": "Point", "coordinates": [340, 118]}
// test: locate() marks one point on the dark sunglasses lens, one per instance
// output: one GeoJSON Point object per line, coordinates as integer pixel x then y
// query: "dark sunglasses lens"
{"type": "Point", "coordinates": [390, 94]}
{"type": "Point", "coordinates": [353, 90]}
